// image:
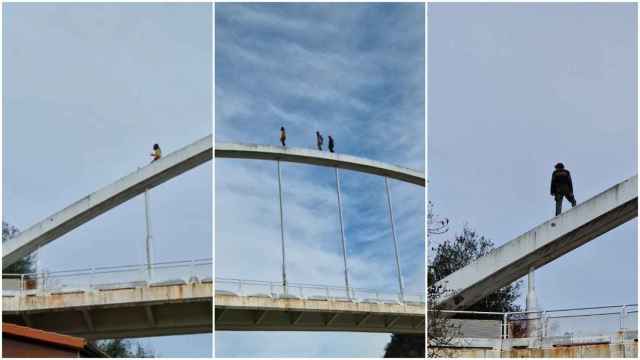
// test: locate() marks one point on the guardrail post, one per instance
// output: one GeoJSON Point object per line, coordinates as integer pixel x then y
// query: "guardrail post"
{"type": "Point", "coordinates": [505, 330]}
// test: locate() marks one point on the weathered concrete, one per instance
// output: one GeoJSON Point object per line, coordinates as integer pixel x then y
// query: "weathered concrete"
{"type": "Point", "coordinates": [619, 345]}
{"type": "Point", "coordinates": [117, 313]}
{"type": "Point", "coordinates": [321, 158]}
{"type": "Point", "coordinates": [542, 244]}
{"type": "Point", "coordinates": [105, 199]}
{"type": "Point", "coordinates": [247, 313]}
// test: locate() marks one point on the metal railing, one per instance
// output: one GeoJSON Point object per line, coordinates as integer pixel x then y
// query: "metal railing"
{"type": "Point", "coordinates": [576, 322]}
{"type": "Point", "coordinates": [256, 288]}
{"type": "Point", "coordinates": [109, 277]}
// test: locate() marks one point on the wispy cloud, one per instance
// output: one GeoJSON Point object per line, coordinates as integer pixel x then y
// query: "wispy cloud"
{"type": "Point", "coordinates": [355, 72]}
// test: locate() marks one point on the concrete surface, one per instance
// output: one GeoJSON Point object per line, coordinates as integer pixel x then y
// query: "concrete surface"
{"type": "Point", "coordinates": [542, 244]}
{"type": "Point", "coordinates": [246, 313]}
{"type": "Point", "coordinates": [116, 313]}
{"type": "Point", "coordinates": [105, 199]}
{"type": "Point", "coordinates": [321, 158]}
{"type": "Point", "coordinates": [619, 345]}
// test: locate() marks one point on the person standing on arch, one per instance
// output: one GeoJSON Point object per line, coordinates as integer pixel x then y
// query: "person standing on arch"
{"type": "Point", "coordinates": [331, 144]}
{"type": "Point", "coordinates": [319, 140]}
{"type": "Point", "coordinates": [157, 153]}
{"type": "Point", "coordinates": [283, 136]}
{"type": "Point", "coordinates": [561, 187]}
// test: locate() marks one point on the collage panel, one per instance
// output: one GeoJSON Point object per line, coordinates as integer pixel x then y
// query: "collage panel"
{"type": "Point", "coordinates": [319, 180]}
{"type": "Point", "coordinates": [532, 163]}
{"type": "Point", "coordinates": [107, 180]}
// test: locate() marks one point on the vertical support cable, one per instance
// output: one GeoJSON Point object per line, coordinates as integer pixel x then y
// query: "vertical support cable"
{"type": "Point", "coordinates": [148, 239]}
{"type": "Point", "coordinates": [344, 243]}
{"type": "Point", "coordinates": [395, 240]}
{"type": "Point", "coordinates": [284, 259]}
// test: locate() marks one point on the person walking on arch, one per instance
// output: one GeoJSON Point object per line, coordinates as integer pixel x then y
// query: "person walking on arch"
{"type": "Point", "coordinates": [283, 136]}
{"type": "Point", "coordinates": [319, 140]}
{"type": "Point", "coordinates": [157, 153]}
{"type": "Point", "coordinates": [561, 187]}
{"type": "Point", "coordinates": [331, 144]}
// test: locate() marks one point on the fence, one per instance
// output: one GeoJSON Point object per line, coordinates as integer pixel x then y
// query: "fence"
{"type": "Point", "coordinates": [112, 277]}
{"type": "Point", "coordinates": [577, 322]}
{"type": "Point", "coordinates": [271, 289]}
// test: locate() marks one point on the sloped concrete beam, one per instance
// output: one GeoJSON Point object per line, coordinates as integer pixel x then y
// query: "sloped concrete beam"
{"type": "Point", "coordinates": [105, 199]}
{"type": "Point", "coordinates": [321, 158]}
{"type": "Point", "coordinates": [542, 244]}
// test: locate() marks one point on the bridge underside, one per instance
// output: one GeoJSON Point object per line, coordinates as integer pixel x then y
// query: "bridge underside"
{"type": "Point", "coordinates": [268, 314]}
{"type": "Point", "coordinates": [116, 313]}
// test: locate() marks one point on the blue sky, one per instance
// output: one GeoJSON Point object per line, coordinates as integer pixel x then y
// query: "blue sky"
{"type": "Point", "coordinates": [514, 89]}
{"type": "Point", "coordinates": [88, 89]}
{"type": "Point", "coordinates": [355, 72]}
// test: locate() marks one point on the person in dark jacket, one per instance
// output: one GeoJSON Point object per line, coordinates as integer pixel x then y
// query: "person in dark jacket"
{"type": "Point", "coordinates": [283, 136]}
{"type": "Point", "coordinates": [319, 140]}
{"type": "Point", "coordinates": [331, 144]}
{"type": "Point", "coordinates": [561, 187]}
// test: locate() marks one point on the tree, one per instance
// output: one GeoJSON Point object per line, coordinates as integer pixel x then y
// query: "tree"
{"type": "Point", "coordinates": [452, 255]}
{"type": "Point", "coordinates": [122, 348]}
{"type": "Point", "coordinates": [25, 265]}
{"type": "Point", "coordinates": [448, 257]}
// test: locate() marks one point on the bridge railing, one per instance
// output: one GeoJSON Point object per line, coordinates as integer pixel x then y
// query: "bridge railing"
{"type": "Point", "coordinates": [575, 322]}
{"type": "Point", "coordinates": [106, 278]}
{"type": "Point", "coordinates": [578, 322]}
{"type": "Point", "coordinates": [257, 288]}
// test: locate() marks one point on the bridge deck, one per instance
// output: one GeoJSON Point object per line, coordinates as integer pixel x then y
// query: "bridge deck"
{"type": "Point", "coordinates": [262, 313]}
{"type": "Point", "coordinates": [116, 312]}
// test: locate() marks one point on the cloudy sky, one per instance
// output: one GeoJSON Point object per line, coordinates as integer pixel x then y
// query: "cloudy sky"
{"type": "Point", "coordinates": [355, 72]}
{"type": "Point", "coordinates": [87, 90]}
{"type": "Point", "coordinates": [512, 90]}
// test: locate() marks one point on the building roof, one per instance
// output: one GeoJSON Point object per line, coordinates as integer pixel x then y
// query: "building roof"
{"type": "Point", "coordinates": [52, 338]}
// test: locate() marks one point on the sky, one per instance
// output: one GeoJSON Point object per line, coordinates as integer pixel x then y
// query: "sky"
{"type": "Point", "coordinates": [514, 89]}
{"type": "Point", "coordinates": [355, 72]}
{"type": "Point", "coordinates": [88, 89]}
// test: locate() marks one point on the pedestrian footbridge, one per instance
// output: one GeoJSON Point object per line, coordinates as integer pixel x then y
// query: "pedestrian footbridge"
{"type": "Point", "coordinates": [243, 305]}
{"type": "Point", "coordinates": [542, 244]}
{"type": "Point", "coordinates": [266, 306]}
{"type": "Point", "coordinates": [114, 302]}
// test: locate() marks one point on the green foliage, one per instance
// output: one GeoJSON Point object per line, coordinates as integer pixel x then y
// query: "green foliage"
{"type": "Point", "coordinates": [452, 255]}
{"type": "Point", "coordinates": [25, 265]}
{"type": "Point", "coordinates": [122, 348]}
{"type": "Point", "coordinates": [405, 346]}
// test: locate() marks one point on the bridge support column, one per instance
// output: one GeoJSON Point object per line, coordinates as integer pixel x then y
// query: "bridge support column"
{"type": "Point", "coordinates": [395, 240]}
{"type": "Point", "coordinates": [148, 239]}
{"type": "Point", "coordinates": [344, 242]}
{"type": "Point", "coordinates": [284, 258]}
{"type": "Point", "coordinates": [533, 323]}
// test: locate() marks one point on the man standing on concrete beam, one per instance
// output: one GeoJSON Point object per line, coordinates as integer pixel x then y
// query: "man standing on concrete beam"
{"type": "Point", "coordinates": [561, 186]}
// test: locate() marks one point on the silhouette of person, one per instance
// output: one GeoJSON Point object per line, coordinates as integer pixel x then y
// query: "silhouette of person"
{"type": "Point", "coordinates": [319, 140]}
{"type": "Point", "coordinates": [283, 136]}
{"type": "Point", "coordinates": [331, 144]}
{"type": "Point", "coordinates": [561, 187]}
